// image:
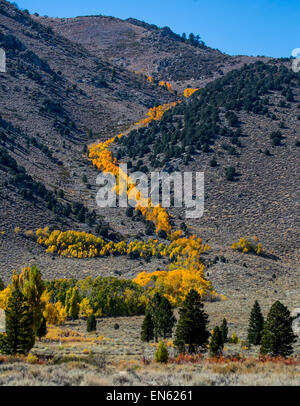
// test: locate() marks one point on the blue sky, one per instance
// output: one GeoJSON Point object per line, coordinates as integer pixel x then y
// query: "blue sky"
{"type": "Point", "coordinates": [252, 27]}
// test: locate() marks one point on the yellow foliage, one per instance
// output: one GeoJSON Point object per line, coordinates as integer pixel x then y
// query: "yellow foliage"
{"type": "Point", "coordinates": [4, 296]}
{"type": "Point", "coordinates": [85, 309]}
{"type": "Point", "coordinates": [189, 91]}
{"type": "Point", "coordinates": [83, 245]}
{"type": "Point", "coordinates": [55, 314]}
{"type": "Point", "coordinates": [32, 359]}
{"type": "Point", "coordinates": [186, 271]}
{"type": "Point", "coordinates": [29, 233]}
{"type": "Point", "coordinates": [17, 230]}
{"type": "Point", "coordinates": [156, 113]}
{"type": "Point", "coordinates": [167, 85]}
{"type": "Point", "coordinates": [245, 245]}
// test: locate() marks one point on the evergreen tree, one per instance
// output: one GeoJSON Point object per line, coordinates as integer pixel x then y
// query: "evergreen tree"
{"type": "Point", "coordinates": [277, 335]}
{"type": "Point", "coordinates": [162, 317]}
{"type": "Point", "coordinates": [2, 286]}
{"type": "Point", "coordinates": [191, 329]}
{"type": "Point", "coordinates": [161, 354]}
{"type": "Point", "coordinates": [91, 324]}
{"type": "Point", "coordinates": [255, 324]}
{"type": "Point", "coordinates": [224, 331]}
{"type": "Point", "coordinates": [165, 318]}
{"type": "Point", "coordinates": [147, 333]}
{"type": "Point", "coordinates": [42, 331]}
{"type": "Point", "coordinates": [154, 306]}
{"type": "Point", "coordinates": [19, 336]}
{"type": "Point", "coordinates": [150, 228]}
{"type": "Point", "coordinates": [216, 342]}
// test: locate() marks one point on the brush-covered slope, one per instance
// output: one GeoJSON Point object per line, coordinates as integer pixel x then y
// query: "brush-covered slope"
{"type": "Point", "coordinates": [55, 99]}
{"type": "Point", "coordinates": [242, 131]}
{"type": "Point", "coordinates": [146, 48]}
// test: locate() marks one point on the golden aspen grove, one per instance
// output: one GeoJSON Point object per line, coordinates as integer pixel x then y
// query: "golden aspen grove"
{"type": "Point", "coordinates": [186, 270]}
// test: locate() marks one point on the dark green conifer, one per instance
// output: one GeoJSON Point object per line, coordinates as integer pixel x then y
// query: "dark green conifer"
{"type": "Point", "coordinates": [216, 342]}
{"type": "Point", "coordinates": [19, 335]}
{"type": "Point", "coordinates": [224, 331]}
{"type": "Point", "coordinates": [277, 335]}
{"type": "Point", "coordinates": [91, 324]}
{"type": "Point", "coordinates": [191, 329]}
{"type": "Point", "coordinates": [255, 324]}
{"type": "Point", "coordinates": [147, 333]}
{"type": "Point", "coordinates": [42, 331]}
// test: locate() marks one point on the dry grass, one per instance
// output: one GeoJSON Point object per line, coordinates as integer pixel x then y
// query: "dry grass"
{"type": "Point", "coordinates": [249, 372]}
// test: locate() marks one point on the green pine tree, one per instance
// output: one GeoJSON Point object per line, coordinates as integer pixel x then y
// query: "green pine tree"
{"type": "Point", "coordinates": [277, 335]}
{"type": "Point", "coordinates": [191, 329]}
{"type": "Point", "coordinates": [161, 354]}
{"type": "Point", "coordinates": [216, 342]}
{"type": "Point", "coordinates": [165, 318]}
{"type": "Point", "coordinates": [19, 334]}
{"type": "Point", "coordinates": [255, 324]}
{"type": "Point", "coordinates": [91, 324]}
{"type": "Point", "coordinates": [162, 316]}
{"type": "Point", "coordinates": [154, 305]}
{"type": "Point", "coordinates": [224, 331]}
{"type": "Point", "coordinates": [147, 333]}
{"type": "Point", "coordinates": [42, 331]}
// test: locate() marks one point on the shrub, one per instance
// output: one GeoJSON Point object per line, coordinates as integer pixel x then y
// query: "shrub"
{"type": "Point", "coordinates": [216, 342]}
{"type": "Point", "coordinates": [213, 163]}
{"type": "Point", "coordinates": [150, 228]}
{"type": "Point", "coordinates": [129, 212]}
{"type": "Point", "coordinates": [230, 173]}
{"type": "Point", "coordinates": [32, 359]}
{"type": "Point", "coordinates": [116, 326]}
{"type": "Point", "coordinates": [17, 230]}
{"type": "Point", "coordinates": [162, 234]}
{"type": "Point", "coordinates": [245, 245]}
{"type": "Point", "coordinates": [91, 324]}
{"type": "Point", "coordinates": [162, 354]}
{"type": "Point", "coordinates": [234, 339]}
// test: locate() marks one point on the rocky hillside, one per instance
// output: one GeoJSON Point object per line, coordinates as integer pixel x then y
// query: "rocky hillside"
{"type": "Point", "coordinates": [242, 131]}
{"type": "Point", "coordinates": [56, 97]}
{"type": "Point", "coordinates": [146, 48]}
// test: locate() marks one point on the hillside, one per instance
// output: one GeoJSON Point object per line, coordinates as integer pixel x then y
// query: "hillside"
{"type": "Point", "coordinates": [56, 98]}
{"type": "Point", "coordinates": [146, 48]}
{"type": "Point", "coordinates": [246, 121]}
{"type": "Point", "coordinates": [64, 96]}
{"type": "Point", "coordinates": [86, 293]}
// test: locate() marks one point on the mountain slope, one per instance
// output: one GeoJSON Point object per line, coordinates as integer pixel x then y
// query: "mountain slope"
{"type": "Point", "coordinates": [146, 48]}
{"type": "Point", "coordinates": [55, 99]}
{"type": "Point", "coordinates": [246, 121]}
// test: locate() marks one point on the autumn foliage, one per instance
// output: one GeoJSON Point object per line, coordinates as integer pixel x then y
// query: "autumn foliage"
{"type": "Point", "coordinates": [189, 91]}
{"type": "Point", "coordinates": [247, 245]}
{"type": "Point", "coordinates": [167, 85]}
